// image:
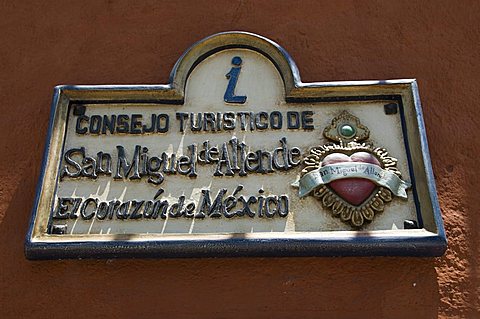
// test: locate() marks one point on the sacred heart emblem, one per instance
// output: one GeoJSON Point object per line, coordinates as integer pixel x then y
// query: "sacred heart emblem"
{"type": "Point", "coordinates": [354, 180]}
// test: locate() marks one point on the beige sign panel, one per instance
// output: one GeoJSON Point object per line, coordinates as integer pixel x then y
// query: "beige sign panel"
{"type": "Point", "coordinates": [236, 157]}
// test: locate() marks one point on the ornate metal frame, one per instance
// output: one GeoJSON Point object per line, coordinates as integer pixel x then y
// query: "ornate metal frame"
{"type": "Point", "coordinates": [428, 240]}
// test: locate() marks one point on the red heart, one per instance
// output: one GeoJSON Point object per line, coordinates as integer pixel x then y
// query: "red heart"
{"type": "Point", "coordinates": [353, 190]}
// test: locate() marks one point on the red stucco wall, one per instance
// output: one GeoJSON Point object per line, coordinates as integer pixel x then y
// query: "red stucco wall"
{"type": "Point", "coordinates": [108, 42]}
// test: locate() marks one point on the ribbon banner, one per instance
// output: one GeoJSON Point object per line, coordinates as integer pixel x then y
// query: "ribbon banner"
{"type": "Point", "coordinates": [375, 173]}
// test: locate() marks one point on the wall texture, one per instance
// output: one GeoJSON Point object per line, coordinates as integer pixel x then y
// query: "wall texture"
{"type": "Point", "coordinates": [128, 42]}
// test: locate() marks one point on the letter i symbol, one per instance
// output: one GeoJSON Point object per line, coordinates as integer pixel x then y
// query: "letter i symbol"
{"type": "Point", "coordinates": [232, 76]}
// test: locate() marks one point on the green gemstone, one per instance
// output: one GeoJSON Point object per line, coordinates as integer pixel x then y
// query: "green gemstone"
{"type": "Point", "coordinates": [347, 131]}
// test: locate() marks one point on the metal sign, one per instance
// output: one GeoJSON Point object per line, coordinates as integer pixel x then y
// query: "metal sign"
{"type": "Point", "coordinates": [236, 157]}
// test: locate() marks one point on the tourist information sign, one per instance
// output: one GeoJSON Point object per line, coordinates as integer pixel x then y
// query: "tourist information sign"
{"type": "Point", "coordinates": [236, 157]}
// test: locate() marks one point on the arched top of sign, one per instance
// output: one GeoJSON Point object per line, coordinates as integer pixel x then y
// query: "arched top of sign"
{"type": "Point", "coordinates": [174, 92]}
{"type": "Point", "coordinates": [234, 40]}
